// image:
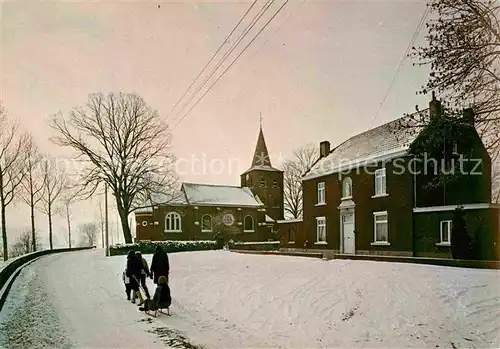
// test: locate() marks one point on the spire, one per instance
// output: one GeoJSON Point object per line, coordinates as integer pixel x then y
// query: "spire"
{"type": "Point", "coordinates": [261, 155]}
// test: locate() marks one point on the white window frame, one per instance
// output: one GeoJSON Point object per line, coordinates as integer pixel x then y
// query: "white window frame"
{"type": "Point", "coordinates": [442, 224]}
{"type": "Point", "coordinates": [245, 230]}
{"type": "Point", "coordinates": [347, 180]}
{"type": "Point", "coordinates": [206, 230]}
{"type": "Point", "coordinates": [380, 188]}
{"type": "Point", "coordinates": [375, 223]}
{"type": "Point", "coordinates": [320, 223]}
{"type": "Point", "coordinates": [171, 217]}
{"type": "Point", "coordinates": [321, 193]}
{"type": "Point", "coordinates": [455, 148]}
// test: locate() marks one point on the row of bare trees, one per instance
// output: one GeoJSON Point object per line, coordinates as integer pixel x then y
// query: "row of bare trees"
{"type": "Point", "coordinates": [34, 178]}
{"type": "Point", "coordinates": [117, 139]}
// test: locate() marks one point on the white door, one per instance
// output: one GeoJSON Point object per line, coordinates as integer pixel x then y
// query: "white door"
{"type": "Point", "coordinates": [348, 233]}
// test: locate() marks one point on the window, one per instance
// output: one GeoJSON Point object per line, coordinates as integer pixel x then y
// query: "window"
{"type": "Point", "coordinates": [381, 227]}
{"type": "Point", "coordinates": [206, 223]}
{"type": "Point", "coordinates": [248, 224]}
{"type": "Point", "coordinates": [380, 182]}
{"type": "Point", "coordinates": [321, 193]}
{"type": "Point", "coordinates": [291, 235]}
{"type": "Point", "coordinates": [321, 229]}
{"type": "Point", "coordinates": [455, 148]}
{"type": "Point", "coordinates": [173, 223]}
{"type": "Point", "coordinates": [262, 182]}
{"type": "Point", "coordinates": [275, 184]}
{"type": "Point", "coordinates": [347, 188]}
{"type": "Point", "coordinates": [445, 232]}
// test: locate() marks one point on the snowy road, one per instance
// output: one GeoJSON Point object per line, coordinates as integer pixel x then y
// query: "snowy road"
{"type": "Point", "coordinates": [228, 300]}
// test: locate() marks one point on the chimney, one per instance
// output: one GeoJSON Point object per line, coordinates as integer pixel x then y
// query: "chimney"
{"type": "Point", "coordinates": [435, 108]}
{"type": "Point", "coordinates": [324, 149]}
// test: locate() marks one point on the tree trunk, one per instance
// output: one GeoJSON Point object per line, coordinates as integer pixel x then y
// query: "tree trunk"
{"type": "Point", "coordinates": [4, 234]}
{"type": "Point", "coordinates": [69, 225]}
{"type": "Point", "coordinates": [50, 226]}
{"type": "Point", "coordinates": [33, 232]}
{"type": "Point", "coordinates": [124, 221]}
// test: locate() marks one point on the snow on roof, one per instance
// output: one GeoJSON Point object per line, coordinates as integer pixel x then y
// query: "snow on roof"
{"type": "Point", "coordinates": [269, 219]}
{"type": "Point", "coordinates": [219, 195]}
{"type": "Point", "coordinates": [372, 145]}
{"type": "Point", "coordinates": [175, 198]}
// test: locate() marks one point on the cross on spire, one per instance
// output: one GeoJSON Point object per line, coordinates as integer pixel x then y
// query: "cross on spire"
{"type": "Point", "coordinates": [260, 119]}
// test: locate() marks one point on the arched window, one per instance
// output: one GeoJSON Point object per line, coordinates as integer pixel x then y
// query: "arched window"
{"type": "Point", "coordinates": [262, 182]}
{"type": "Point", "coordinates": [347, 188]}
{"type": "Point", "coordinates": [206, 223]}
{"type": "Point", "coordinates": [173, 223]}
{"type": "Point", "coordinates": [248, 224]}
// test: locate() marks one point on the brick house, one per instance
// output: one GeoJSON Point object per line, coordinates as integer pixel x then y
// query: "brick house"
{"type": "Point", "coordinates": [245, 213]}
{"type": "Point", "coordinates": [361, 198]}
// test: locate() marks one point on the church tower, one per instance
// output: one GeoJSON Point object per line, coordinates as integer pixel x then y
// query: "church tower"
{"type": "Point", "coordinates": [265, 181]}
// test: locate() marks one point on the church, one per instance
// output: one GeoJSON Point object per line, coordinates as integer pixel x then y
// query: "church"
{"type": "Point", "coordinates": [245, 213]}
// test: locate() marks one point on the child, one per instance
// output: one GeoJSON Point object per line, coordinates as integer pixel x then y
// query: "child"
{"type": "Point", "coordinates": [162, 298]}
{"type": "Point", "coordinates": [126, 281]}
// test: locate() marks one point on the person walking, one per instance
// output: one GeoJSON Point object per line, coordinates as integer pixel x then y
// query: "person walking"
{"type": "Point", "coordinates": [144, 273]}
{"type": "Point", "coordinates": [159, 265]}
{"type": "Point", "coordinates": [134, 268]}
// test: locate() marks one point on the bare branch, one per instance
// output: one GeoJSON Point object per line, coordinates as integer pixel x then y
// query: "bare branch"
{"type": "Point", "coordinates": [294, 168]}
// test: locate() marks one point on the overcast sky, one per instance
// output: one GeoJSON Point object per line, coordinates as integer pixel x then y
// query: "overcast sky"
{"type": "Point", "coordinates": [318, 72]}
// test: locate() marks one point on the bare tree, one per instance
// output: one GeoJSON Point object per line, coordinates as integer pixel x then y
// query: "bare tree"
{"type": "Point", "coordinates": [463, 53]}
{"type": "Point", "coordinates": [55, 181]}
{"type": "Point", "coordinates": [123, 143]}
{"type": "Point", "coordinates": [294, 168]}
{"type": "Point", "coordinates": [24, 244]}
{"type": "Point", "coordinates": [88, 232]}
{"type": "Point", "coordinates": [70, 194]}
{"type": "Point", "coordinates": [33, 183]}
{"type": "Point", "coordinates": [12, 168]}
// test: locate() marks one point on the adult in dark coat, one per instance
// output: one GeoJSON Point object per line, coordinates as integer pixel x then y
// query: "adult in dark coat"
{"type": "Point", "coordinates": [159, 265]}
{"type": "Point", "coordinates": [134, 271]}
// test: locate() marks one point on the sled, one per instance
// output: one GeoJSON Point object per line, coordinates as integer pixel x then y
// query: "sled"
{"type": "Point", "coordinates": [155, 312]}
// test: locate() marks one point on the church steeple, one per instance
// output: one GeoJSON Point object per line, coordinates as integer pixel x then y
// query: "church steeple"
{"type": "Point", "coordinates": [261, 155]}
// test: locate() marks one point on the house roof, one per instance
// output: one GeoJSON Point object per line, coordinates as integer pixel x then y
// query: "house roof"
{"type": "Point", "coordinates": [261, 159]}
{"type": "Point", "coordinates": [379, 143]}
{"type": "Point", "coordinates": [175, 198]}
{"type": "Point", "coordinates": [219, 195]}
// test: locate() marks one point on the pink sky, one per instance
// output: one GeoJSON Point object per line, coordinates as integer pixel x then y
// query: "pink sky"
{"type": "Point", "coordinates": [318, 72]}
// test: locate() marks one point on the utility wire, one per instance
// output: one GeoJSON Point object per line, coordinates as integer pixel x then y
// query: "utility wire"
{"type": "Point", "coordinates": [226, 55]}
{"type": "Point", "coordinates": [211, 86]}
{"type": "Point", "coordinates": [410, 44]}
{"type": "Point", "coordinates": [215, 54]}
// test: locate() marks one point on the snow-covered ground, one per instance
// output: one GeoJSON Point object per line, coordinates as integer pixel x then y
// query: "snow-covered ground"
{"type": "Point", "coordinates": [229, 300]}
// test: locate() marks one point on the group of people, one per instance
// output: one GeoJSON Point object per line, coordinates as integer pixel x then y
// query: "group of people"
{"type": "Point", "coordinates": [134, 278]}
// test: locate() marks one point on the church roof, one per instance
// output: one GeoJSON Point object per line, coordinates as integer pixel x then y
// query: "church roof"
{"type": "Point", "coordinates": [261, 159]}
{"type": "Point", "coordinates": [219, 195]}
{"type": "Point", "coordinates": [376, 144]}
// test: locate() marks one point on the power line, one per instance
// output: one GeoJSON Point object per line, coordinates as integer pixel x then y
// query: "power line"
{"type": "Point", "coordinates": [410, 44]}
{"type": "Point", "coordinates": [215, 54]}
{"type": "Point", "coordinates": [211, 86]}
{"type": "Point", "coordinates": [226, 55]}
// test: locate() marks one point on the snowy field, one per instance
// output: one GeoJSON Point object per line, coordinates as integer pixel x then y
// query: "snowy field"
{"type": "Point", "coordinates": [228, 300]}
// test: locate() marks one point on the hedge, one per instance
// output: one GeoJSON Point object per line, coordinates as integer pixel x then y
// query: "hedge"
{"type": "Point", "coordinates": [169, 246]}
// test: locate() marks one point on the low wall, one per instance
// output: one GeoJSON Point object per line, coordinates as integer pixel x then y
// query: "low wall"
{"type": "Point", "coordinates": [11, 267]}
{"type": "Point", "coordinates": [255, 246]}
{"type": "Point", "coordinates": [458, 263]}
